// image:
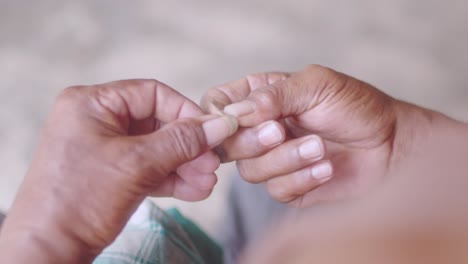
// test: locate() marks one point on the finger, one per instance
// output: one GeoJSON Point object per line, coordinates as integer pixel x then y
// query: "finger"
{"type": "Point", "coordinates": [217, 98]}
{"type": "Point", "coordinates": [156, 155]}
{"type": "Point", "coordinates": [140, 99]}
{"type": "Point", "coordinates": [291, 187]}
{"type": "Point", "coordinates": [206, 163]}
{"type": "Point", "coordinates": [175, 186]}
{"type": "Point", "coordinates": [284, 159]}
{"type": "Point", "coordinates": [200, 172]}
{"type": "Point", "coordinates": [293, 96]}
{"type": "Point", "coordinates": [199, 180]}
{"type": "Point", "coordinates": [335, 189]}
{"type": "Point", "coordinates": [251, 142]}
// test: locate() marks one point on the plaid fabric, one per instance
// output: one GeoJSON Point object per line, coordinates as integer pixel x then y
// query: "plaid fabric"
{"type": "Point", "coordinates": [154, 236]}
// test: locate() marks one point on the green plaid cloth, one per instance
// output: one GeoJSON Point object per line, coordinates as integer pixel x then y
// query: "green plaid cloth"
{"type": "Point", "coordinates": [155, 236]}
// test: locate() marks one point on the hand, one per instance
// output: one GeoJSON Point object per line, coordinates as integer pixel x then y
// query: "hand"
{"type": "Point", "coordinates": [102, 150]}
{"type": "Point", "coordinates": [322, 124]}
{"type": "Point", "coordinates": [419, 215]}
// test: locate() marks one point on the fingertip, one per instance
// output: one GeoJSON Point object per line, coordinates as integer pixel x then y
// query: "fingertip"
{"type": "Point", "coordinates": [312, 147]}
{"type": "Point", "coordinates": [206, 181]}
{"type": "Point", "coordinates": [270, 134]}
{"type": "Point", "coordinates": [293, 187]}
{"type": "Point", "coordinates": [218, 129]}
{"type": "Point", "coordinates": [240, 109]}
{"type": "Point", "coordinates": [322, 172]}
{"type": "Point", "coordinates": [187, 192]}
{"type": "Point", "coordinates": [206, 163]}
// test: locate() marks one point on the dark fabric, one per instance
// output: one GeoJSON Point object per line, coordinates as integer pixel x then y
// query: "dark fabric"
{"type": "Point", "coordinates": [2, 216]}
{"type": "Point", "coordinates": [249, 212]}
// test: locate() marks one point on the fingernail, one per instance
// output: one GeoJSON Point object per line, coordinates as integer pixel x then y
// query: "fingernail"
{"type": "Point", "coordinates": [269, 135]}
{"type": "Point", "coordinates": [322, 172]}
{"type": "Point", "coordinates": [240, 109]}
{"type": "Point", "coordinates": [311, 149]}
{"type": "Point", "coordinates": [218, 129]}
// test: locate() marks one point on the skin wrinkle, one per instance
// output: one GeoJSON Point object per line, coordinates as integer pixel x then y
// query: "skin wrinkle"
{"type": "Point", "coordinates": [235, 94]}
{"type": "Point", "coordinates": [179, 110]}
{"type": "Point", "coordinates": [95, 164]}
{"type": "Point", "coordinates": [184, 144]}
{"type": "Point", "coordinates": [345, 111]}
{"type": "Point", "coordinates": [266, 98]}
{"type": "Point", "coordinates": [249, 78]}
{"type": "Point", "coordinates": [333, 92]}
{"type": "Point", "coordinates": [101, 98]}
{"type": "Point", "coordinates": [320, 76]}
{"type": "Point", "coordinates": [359, 102]}
{"type": "Point", "coordinates": [164, 96]}
{"type": "Point", "coordinates": [400, 146]}
{"type": "Point", "coordinates": [212, 98]}
{"type": "Point", "coordinates": [279, 93]}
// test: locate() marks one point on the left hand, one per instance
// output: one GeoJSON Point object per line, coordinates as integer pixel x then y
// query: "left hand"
{"type": "Point", "coordinates": [314, 135]}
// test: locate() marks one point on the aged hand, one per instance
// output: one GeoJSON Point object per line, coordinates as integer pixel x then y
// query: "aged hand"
{"type": "Point", "coordinates": [102, 150]}
{"type": "Point", "coordinates": [314, 135]}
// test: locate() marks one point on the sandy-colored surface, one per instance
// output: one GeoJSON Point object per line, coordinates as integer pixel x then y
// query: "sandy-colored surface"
{"type": "Point", "coordinates": [414, 50]}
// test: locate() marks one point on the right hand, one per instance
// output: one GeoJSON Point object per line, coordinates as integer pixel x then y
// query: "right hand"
{"type": "Point", "coordinates": [323, 124]}
{"type": "Point", "coordinates": [102, 150]}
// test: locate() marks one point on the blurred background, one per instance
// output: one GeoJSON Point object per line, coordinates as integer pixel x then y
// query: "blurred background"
{"type": "Point", "coordinates": [414, 50]}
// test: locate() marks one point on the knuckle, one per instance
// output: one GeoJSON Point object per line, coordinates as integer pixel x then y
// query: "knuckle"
{"type": "Point", "coordinates": [275, 77]}
{"type": "Point", "coordinates": [327, 83]}
{"type": "Point", "coordinates": [69, 97]}
{"type": "Point", "coordinates": [69, 93]}
{"type": "Point", "coordinates": [266, 96]}
{"type": "Point", "coordinates": [314, 67]}
{"type": "Point", "coordinates": [321, 73]}
{"type": "Point", "coordinates": [256, 80]}
{"type": "Point", "coordinates": [153, 83]}
{"type": "Point", "coordinates": [317, 68]}
{"type": "Point", "coordinates": [187, 139]}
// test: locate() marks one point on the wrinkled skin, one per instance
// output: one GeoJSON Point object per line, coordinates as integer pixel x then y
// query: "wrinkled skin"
{"type": "Point", "coordinates": [355, 123]}
{"type": "Point", "coordinates": [311, 136]}
{"type": "Point", "coordinates": [102, 150]}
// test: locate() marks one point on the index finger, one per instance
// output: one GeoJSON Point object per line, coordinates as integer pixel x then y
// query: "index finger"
{"type": "Point", "coordinates": [140, 99]}
{"type": "Point", "coordinates": [215, 99]}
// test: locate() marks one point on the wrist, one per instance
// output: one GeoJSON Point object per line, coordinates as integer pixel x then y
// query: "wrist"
{"type": "Point", "coordinates": [24, 245]}
{"type": "Point", "coordinates": [38, 230]}
{"type": "Point", "coordinates": [418, 130]}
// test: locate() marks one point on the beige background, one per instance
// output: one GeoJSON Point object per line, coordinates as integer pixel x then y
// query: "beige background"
{"type": "Point", "coordinates": [415, 50]}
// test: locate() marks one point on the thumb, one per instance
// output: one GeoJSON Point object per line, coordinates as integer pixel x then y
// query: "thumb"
{"type": "Point", "coordinates": [290, 97]}
{"type": "Point", "coordinates": [179, 142]}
